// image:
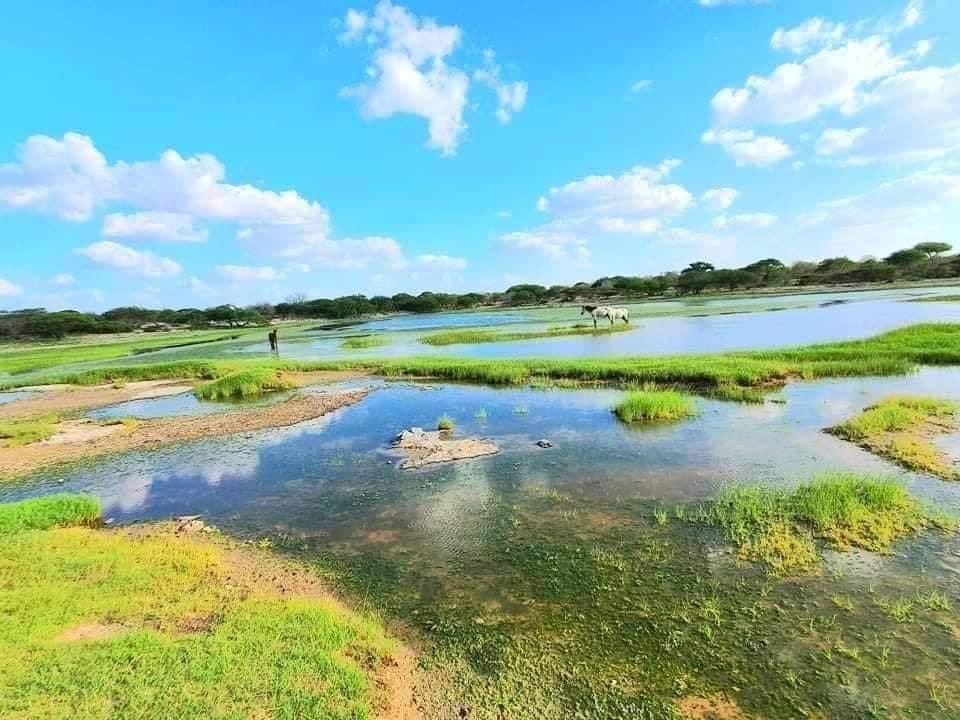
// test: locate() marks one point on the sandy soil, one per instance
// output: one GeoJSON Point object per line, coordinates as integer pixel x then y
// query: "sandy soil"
{"type": "Point", "coordinates": [78, 440]}
{"type": "Point", "coordinates": [420, 447]}
{"type": "Point", "coordinates": [63, 399]}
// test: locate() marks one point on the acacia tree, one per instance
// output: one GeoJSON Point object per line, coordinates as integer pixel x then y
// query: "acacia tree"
{"type": "Point", "coordinates": [932, 249]}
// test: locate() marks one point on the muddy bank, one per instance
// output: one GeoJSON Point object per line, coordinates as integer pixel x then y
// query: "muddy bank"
{"type": "Point", "coordinates": [82, 439]}
{"type": "Point", "coordinates": [419, 447]}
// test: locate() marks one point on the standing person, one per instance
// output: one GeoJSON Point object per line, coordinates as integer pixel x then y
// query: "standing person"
{"type": "Point", "coordinates": [272, 337]}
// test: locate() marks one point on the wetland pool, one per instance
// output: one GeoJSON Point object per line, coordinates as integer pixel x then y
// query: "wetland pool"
{"type": "Point", "coordinates": [539, 577]}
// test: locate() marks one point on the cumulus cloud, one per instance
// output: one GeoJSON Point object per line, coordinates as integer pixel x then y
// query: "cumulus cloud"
{"type": "Point", "coordinates": [153, 225]}
{"type": "Point", "coordinates": [63, 280]}
{"type": "Point", "coordinates": [811, 33]}
{"type": "Point", "coordinates": [752, 221]}
{"type": "Point", "coordinates": [511, 96]}
{"type": "Point", "coordinates": [107, 253]}
{"type": "Point", "coordinates": [556, 245]}
{"type": "Point", "coordinates": [793, 92]}
{"type": "Point", "coordinates": [640, 86]}
{"type": "Point", "coordinates": [410, 73]}
{"type": "Point", "coordinates": [440, 263]}
{"type": "Point", "coordinates": [9, 289]}
{"type": "Point", "coordinates": [719, 198]}
{"type": "Point", "coordinates": [247, 273]}
{"type": "Point", "coordinates": [912, 14]}
{"type": "Point", "coordinates": [838, 140]}
{"type": "Point", "coordinates": [748, 148]}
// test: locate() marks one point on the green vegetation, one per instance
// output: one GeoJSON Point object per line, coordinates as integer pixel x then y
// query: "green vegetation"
{"type": "Point", "coordinates": [898, 428]}
{"type": "Point", "coordinates": [470, 336]}
{"type": "Point", "coordinates": [937, 298]}
{"type": "Point", "coordinates": [109, 625]}
{"type": "Point", "coordinates": [23, 431]}
{"type": "Point", "coordinates": [778, 527]}
{"type": "Point", "coordinates": [48, 512]}
{"type": "Point", "coordinates": [362, 342]}
{"type": "Point", "coordinates": [243, 384]}
{"type": "Point", "coordinates": [654, 405]}
{"type": "Point", "coordinates": [446, 423]}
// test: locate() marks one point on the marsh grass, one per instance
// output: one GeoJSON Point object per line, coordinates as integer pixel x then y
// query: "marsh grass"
{"type": "Point", "coordinates": [243, 384]}
{"type": "Point", "coordinates": [474, 336]}
{"type": "Point", "coordinates": [937, 298]}
{"type": "Point", "coordinates": [446, 423]}
{"type": "Point", "coordinates": [167, 632]}
{"type": "Point", "coordinates": [23, 431]}
{"type": "Point", "coordinates": [654, 405]}
{"type": "Point", "coordinates": [363, 342]}
{"type": "Point", "coordinates": [777, 527]}
{"type": "Point", "coordinates": [899, 427]}
{"type": "Point", "coordinates": [48, 512]}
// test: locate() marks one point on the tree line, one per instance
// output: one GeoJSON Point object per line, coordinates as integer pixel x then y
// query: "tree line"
{"type": "Point", "coordinates": [925, 261]}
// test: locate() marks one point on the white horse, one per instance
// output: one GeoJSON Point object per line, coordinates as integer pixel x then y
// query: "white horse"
{"type": "Point", "coordinates": [605, 311]}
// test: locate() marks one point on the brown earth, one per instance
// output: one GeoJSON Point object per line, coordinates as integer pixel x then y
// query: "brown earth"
{"type": "Point", "coordinates": [711, 707]}
{"type": "Point", "coordinates": [79, 440]}
{"type": "Point", "coordinates": [421, 447]}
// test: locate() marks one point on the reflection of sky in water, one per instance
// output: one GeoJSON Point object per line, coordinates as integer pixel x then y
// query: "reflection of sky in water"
{"type": "Point", "coordinates": [11, 396]}
{"type": "Point", "coordinates": [174, 405]}
{"type": "Point", "coordinates": [335, 476]}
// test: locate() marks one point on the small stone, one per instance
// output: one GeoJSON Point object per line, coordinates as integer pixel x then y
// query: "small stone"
{"type": "Point", "coordinates": [544, 443]}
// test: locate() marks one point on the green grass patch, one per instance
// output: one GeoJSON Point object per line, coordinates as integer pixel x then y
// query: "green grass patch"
{"type": "Point", "coordinates": [23, 431]}
{"type": "Point", "coordinates": [363, 342]}
{"type": "Point", "coordinates": [654, 405]}
{"type": "Point", "coordinates": [109, 625]}
{"type": "Point", "coordinates": [899, 428]}
{"type": "Point", "coordinates": [778, 527]}
{"type": "Point", "coordinates": [48, 512]}
{"type": "Point", "coordinates": [474, 335]}
{"type": "Point", "coordinates": [937, 298]}
{"type": "Point", "coordinates": [446, 423]}
{"type": "Point", "coordinates": [243, 384]}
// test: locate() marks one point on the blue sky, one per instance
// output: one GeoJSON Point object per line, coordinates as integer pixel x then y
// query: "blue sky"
{"type": "Point", "coordinates": [193, 154]}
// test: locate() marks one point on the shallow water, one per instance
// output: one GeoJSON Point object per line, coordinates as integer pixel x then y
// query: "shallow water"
{"type": "Point", "coordinates": [13, 395]}
{"type": "Point", "coordinates": [536, 558]}
{"type": "Point", "coordinates": [183, 404]}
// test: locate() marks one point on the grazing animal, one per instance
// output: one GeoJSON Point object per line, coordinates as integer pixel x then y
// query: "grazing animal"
{"type": "Point", "coordinates": [273, 337]}
{"type": "Point", "coordinates": [605, 311]}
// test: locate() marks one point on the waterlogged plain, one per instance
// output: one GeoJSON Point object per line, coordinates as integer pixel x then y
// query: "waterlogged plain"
{"type": "Point", "coordinates": [576, 581]}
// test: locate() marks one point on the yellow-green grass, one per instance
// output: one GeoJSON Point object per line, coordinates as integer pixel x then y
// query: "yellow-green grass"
{"type": "Point", "coordinates": [363, 342]}
{"type": "Point", "coordinates": [475, 335]}
{"type": "Point", "coordinates": [23, 431]}
{"type": "Point", "coordinates": [778, 527]}
{"type": "Point", "coordinates": [446, 423]}
{"type": "Point", "coordinates": [937, 298]}
{"type": "Point", "coordinates": [893, 353]}
{"type": "Point", "coordinates": [654, 405]}
{"type": "Point", "coordinates": [48, 512]}
{"type": "Point", "coordinates": [899, 428]}
{"type": "Point", "coordinates": [243, 384]}
{"type": "Point", "coordinates": [105, 624]}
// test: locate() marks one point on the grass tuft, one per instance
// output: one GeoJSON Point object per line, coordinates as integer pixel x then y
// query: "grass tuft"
{"type": "Point", "coordinates": [777, 527]}
{"type": "Point", "coordinates": [446, 423]}
{"type": "Point", "coordinates": [243, 384]}
{"type": "Point", "coordinates": [48, 512]}
{"type": "Point", "coordinates": [654, 405]}
{"type": "Point", "coordinates": [471, 336]}
{"type": "Point", "coordinates": [363, 342]}
{"type": "Point", "coordinates": [15, 433]}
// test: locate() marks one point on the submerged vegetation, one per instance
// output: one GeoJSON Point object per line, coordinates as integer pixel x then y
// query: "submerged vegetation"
{"type": "Point", "coordinates": [654, 405]}
{"type": "Point", "coordinates": [105, 624]}
{"type": "Point", "coordinates": [23, 431]}
{"type": "Point", "coordinates": [363, 342]}
{"type": "Point", "coordinates": [471, 335]}
{"type": "Point", "coordinates": [899, 428]}
{"type": "Point", "coordinates": [778, 527]}
{"type": "Point", "coordinates": [243, 384]}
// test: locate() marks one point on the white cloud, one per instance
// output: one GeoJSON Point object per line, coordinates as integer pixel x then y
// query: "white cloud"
{"type": "Point", "coordinates": [153, 225]}
{"type": "Point", "coordinates": [808, 34]}
{"type": "Point", "coordinates": [511, 96]}
{"type": "Point", "coordinates": [719, 198]}
{"type": "Point", "coordinates": [838, 140]}
{"type": "Point", "coordinates": [793, 92]}
{"type": "Point", "coordinates": [752, 221]}
{"type": "Point", "coordinates": [120, 257]}
{"type": "Point", "coordinates": [503, 214]}
{"type": "Point", "coordinates": [63, 280]}
{"type": "Point", "coordinates": [912, 14]}
{"type": "Point", "coordinates": [721, 3]}
{"type": "Point", "coordinates": [748, 148]}
{"type": "Point", "coordinates": [440, 263]}
{"type": "Point", "coordinates": [558, 246]}
{"type": "Point", "coordinates": [246, 273]}
{"type": "Point", "coordinates": [9, 289]}
{"type": "Point", "coordinates": [640, 85]}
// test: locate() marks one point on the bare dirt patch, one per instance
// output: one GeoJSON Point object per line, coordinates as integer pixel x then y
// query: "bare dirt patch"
{"type": "Point", "coordinates": [420, 447]}
{"type": "Point", "coordinates": [77, 444]}
{"type": "Point", "coordinates": [61, 399]}
{"type": "Point", "coordinates": [711, 707]}
{"type": "Point", "coordinates": [81, 431]}
{"type": "Point", "coordinates": [91, 632]}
